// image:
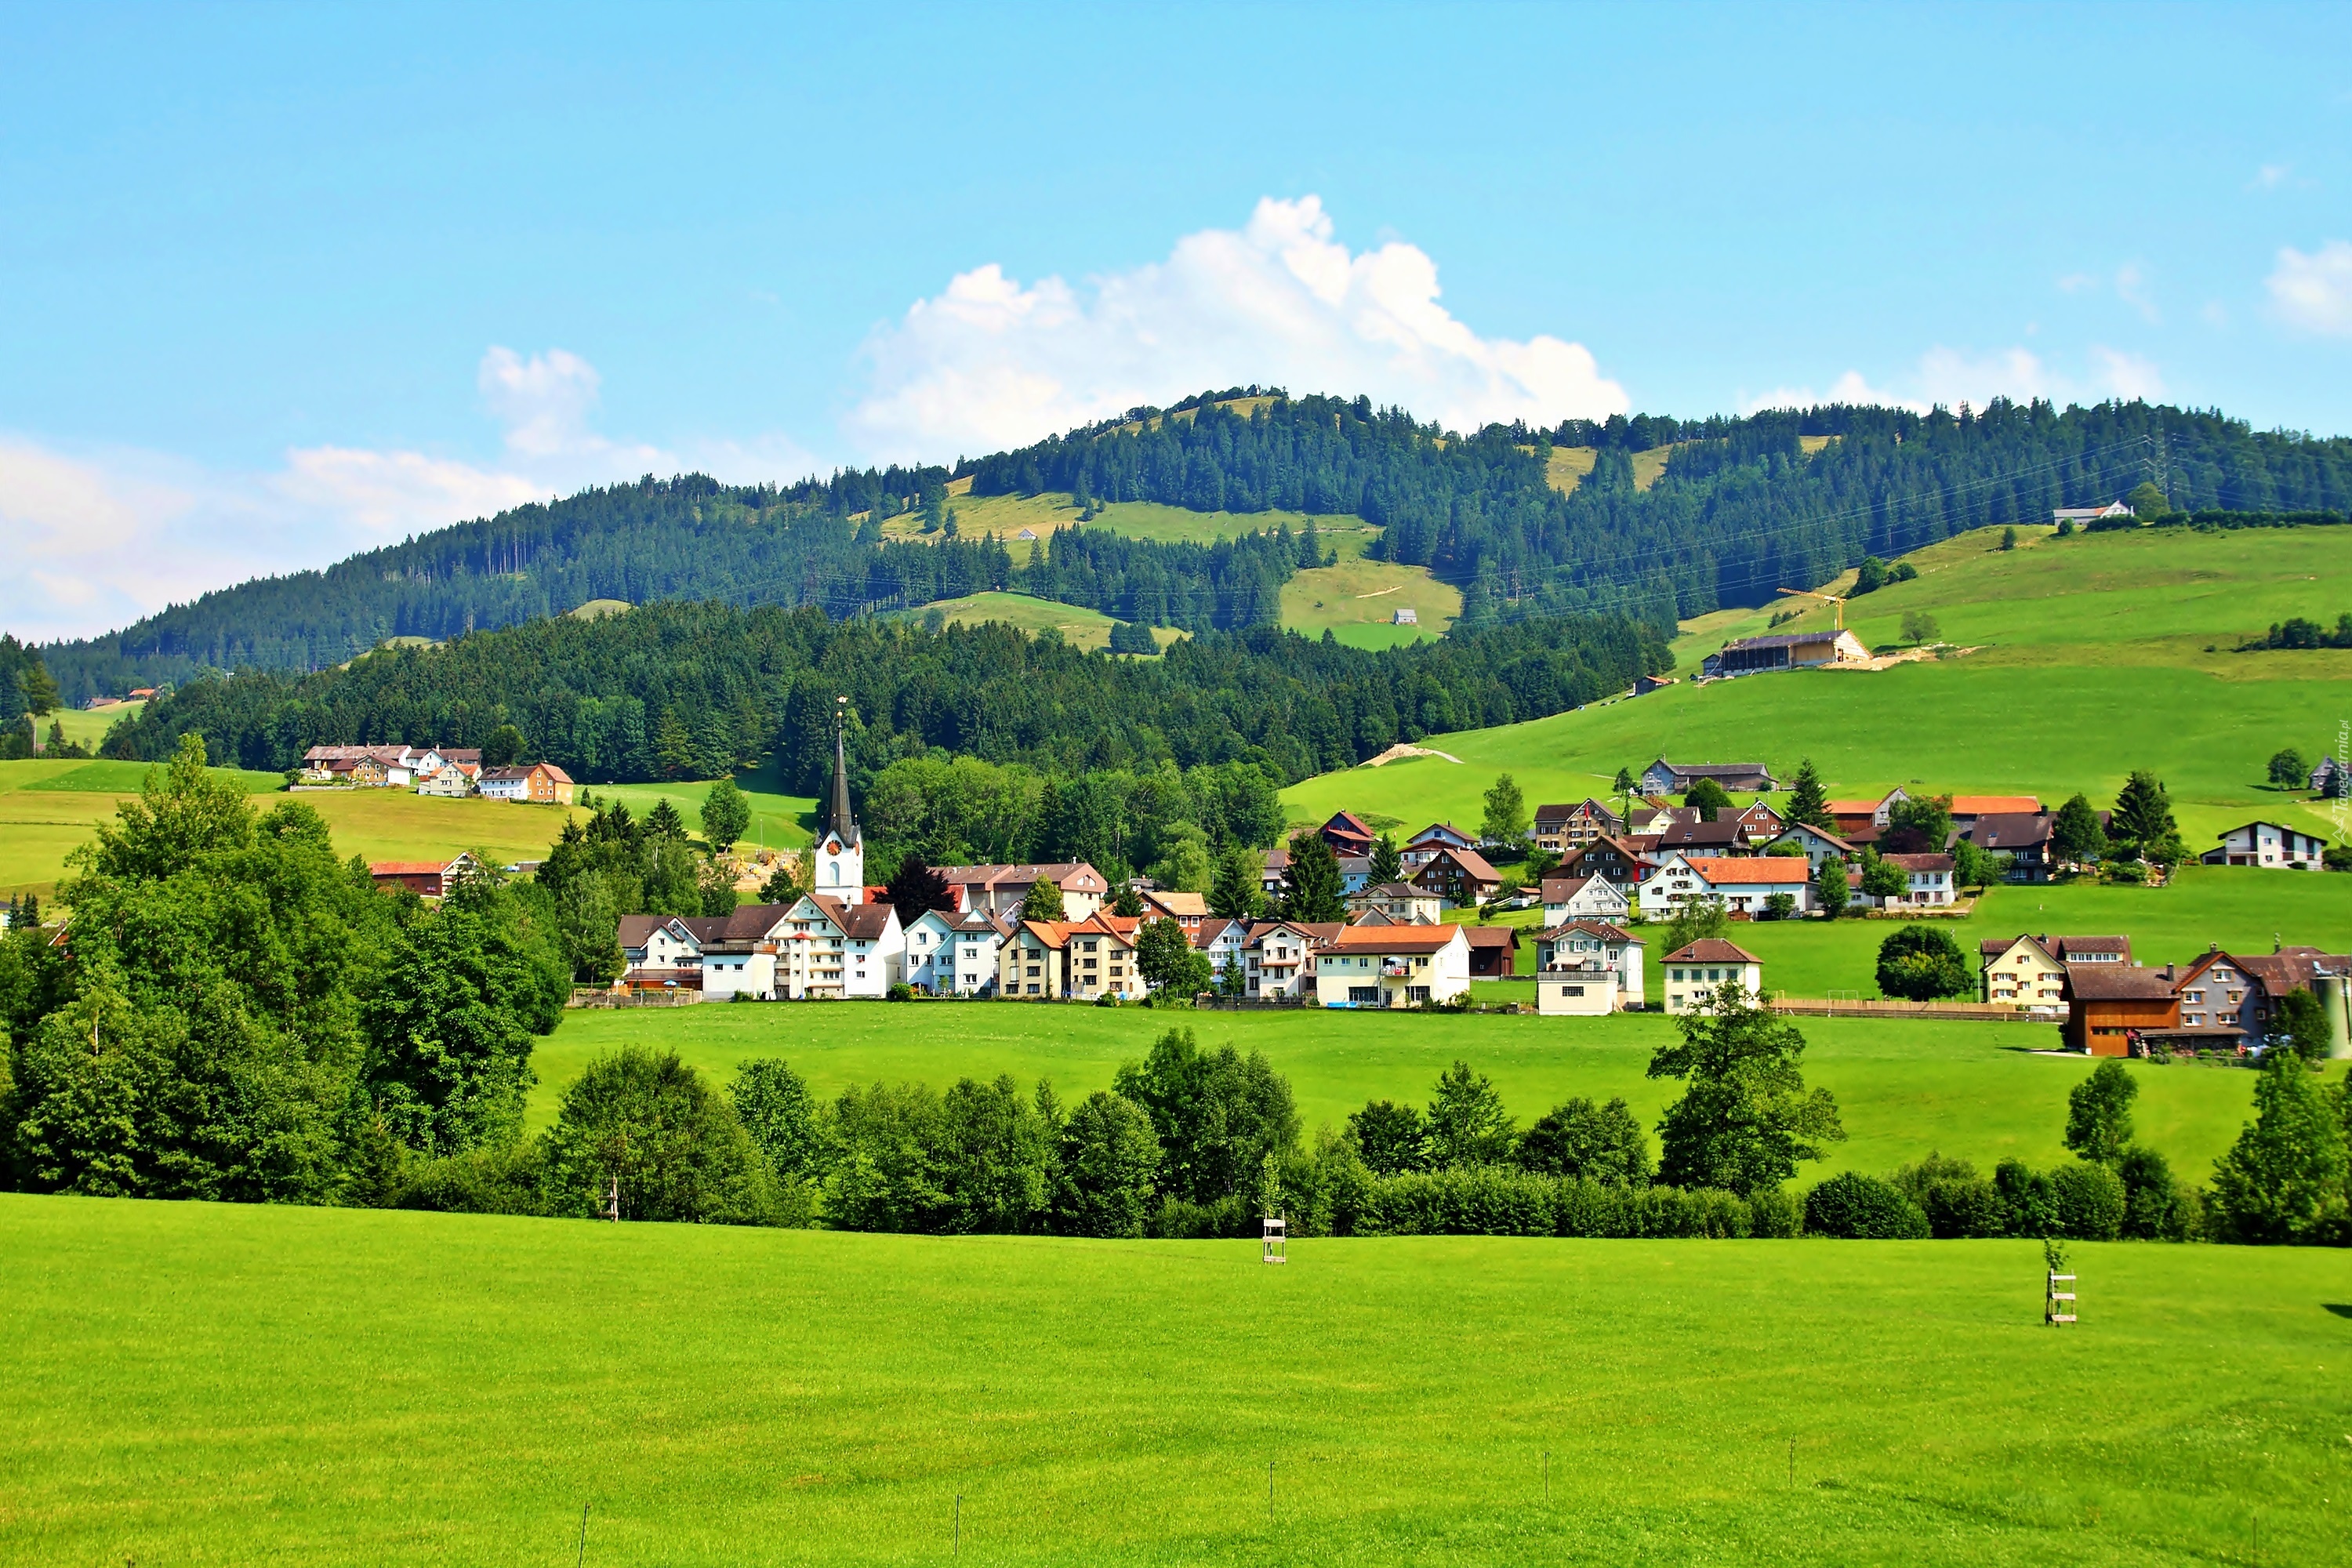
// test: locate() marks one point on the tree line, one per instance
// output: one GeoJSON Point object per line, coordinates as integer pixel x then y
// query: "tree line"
{"type": "Point", "coordinates": [691, 690]}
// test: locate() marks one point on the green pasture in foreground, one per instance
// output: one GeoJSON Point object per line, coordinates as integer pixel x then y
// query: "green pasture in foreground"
{"type": "Point", "coordinates": [2092, 661]}
{"type": "Point", "coordinates": [1976, 1091]}
{"type": "Point", "coordinates": [193, 1382]}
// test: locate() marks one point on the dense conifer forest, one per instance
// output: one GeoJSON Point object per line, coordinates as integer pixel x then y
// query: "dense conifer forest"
{"type": "Point", "coordinates": [688, 691]}
{"type": "Point", "coordinates": [1743, 506]}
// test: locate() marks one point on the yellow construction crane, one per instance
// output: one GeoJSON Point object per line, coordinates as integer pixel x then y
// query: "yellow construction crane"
{"type": "Point", "coordinates": [1837, 604]}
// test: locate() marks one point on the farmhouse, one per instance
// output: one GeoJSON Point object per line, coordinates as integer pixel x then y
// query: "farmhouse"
{"type": "Point", "coordinates": [1391, 966]}
{"type": "Point", "coordinates": [1819, 847]}
{"type": "Point", "coordinates": [1789, 650]}
{"type": "Point", "coordinates": [1854, 816]}
{"type": "Point", "coordinates": [2107, 1004]}
{"type": "Point", "coordinates": [1423, 846]}
{"type": "Point", "coordinates": [541, 783]}
{"type": "Point", "coordinates": [1458, 876]}
{"type": "Point", "coordinates": [1966, 808]}
{"type": "Point", "coordinates": [1560, 828]}
{"type": "Point", "coordinates": [1613, 858]}
{"type": "Point", "coordinates": [1696, 972]}
{"type": "Point", "coordinates": [1347, 834]}
{"type": "Point", "coordinates": [2331, 778]}
{"type": "Point", "coordinates": [1744, 884]}
{"type": "Point", "coordinates": [2080, 515]}
{"type": "Point", "coordinates": [2024, 837]}
{"type": "Point", "coordinates": [427, 878]}
{"type": "Point", "coordinates": [1693, 836]}
{"type": "Point", "coordinates": [1663, 777]}
{"type": "Point", "coordinates": [2247, 994]}
{"type": "Point", "coordinates": [1927, 880]}
{"type": "Point", "coordinates": [2267, 844]}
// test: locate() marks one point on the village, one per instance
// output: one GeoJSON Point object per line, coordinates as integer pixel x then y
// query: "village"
{"type": "Point", "coordinates": [1412, 932]}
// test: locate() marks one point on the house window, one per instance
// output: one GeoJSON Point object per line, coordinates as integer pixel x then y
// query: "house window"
{"type": "Point", "coordinates": [1571, 990]}
{"type": "Point", "coordinates": [1359, 995]}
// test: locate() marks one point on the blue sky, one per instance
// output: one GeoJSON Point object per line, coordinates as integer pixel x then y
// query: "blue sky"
{"type": "Point", "coordinates": [279, 283]}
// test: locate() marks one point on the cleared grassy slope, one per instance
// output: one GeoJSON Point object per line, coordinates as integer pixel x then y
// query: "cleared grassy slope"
{"type": "Point", "coordinates": [1356, 601]}
{"type": "Point", "coordinates": [191, 1382]}
{"type": "Point", "coordinates": [2094, 659]}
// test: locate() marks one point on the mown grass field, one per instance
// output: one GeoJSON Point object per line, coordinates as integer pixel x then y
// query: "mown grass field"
{"type": "Point", "coordinates": [1975, 1091]}
{"type": "Point", "coordinates": [48, 809]}
{"type": "Point", "coordinates": [86, 727]}
{"type": "Point", "coordinates": [193, 1382]}
{"type": "Point", "coordinates": [2092, 660]}
{"type": "Point", "coordinates": [1356, 601]}
{"type": "Point", "coordinates": [1078, 627]}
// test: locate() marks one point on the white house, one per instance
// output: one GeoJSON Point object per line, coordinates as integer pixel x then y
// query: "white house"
{"type": "Point", "coordinates": [1222, 940]}
{"type": "Point", "coordinates": [1817, 844]}
{"type": "Point", "coordinates": [1391, 966]}
{"type": "Point", "coordinates": [1696, 972]}
{"type": "Point", "coordinates": [1744, 884]}
{"type": "Point", "coordinates": [2267, 844]}
{"type": "Point", "coordinates": [1401, 901]}
{"type": "Point", "coordinates": [454, 779]}
{"type": "Point", "coordinates": [1583, 897]}
{"type": "Point", "coordinates": [1424, 844]}
{"type": "Point", "coordinates": [1927, 880]}
{"type": "Point", "coordinates": [931, 953]}
{"type": "Point", "coordinates": [978, 940]}
{"type": "Point", "coordinates": [825, 948]}
{"type": "Point", "coordinates": [1585, 968]}
{"type": "Point", "coordinates": [1278, 957]}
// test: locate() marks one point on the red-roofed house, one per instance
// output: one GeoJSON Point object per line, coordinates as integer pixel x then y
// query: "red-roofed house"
{"type": "Point", "coordinates": [1458, 876]}
{"type": "Point", "coordinates": [1744, 884]}
{"type": "Point", "coordinates": [428, 878]}
{"type": "Point", "coordinates": [1391, 966]}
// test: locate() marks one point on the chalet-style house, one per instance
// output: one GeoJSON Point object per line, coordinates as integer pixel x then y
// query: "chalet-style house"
{"type": "Point", "coordinates": [427, 878]}
{"type": "Point", "coordinates": [998, 890]}
{"type": "Point", "coordinates": [1663, 777]}
{"type": "Point", "coordinates": [1583, 897]}
{"type": "Point", "coordinates": [1696, 972]}
{"type": "Point", "coordinates": [1187, 910]}
{"type": "Point", "coordinates": [1585, 968]}
{"type": "Point", "coordinates": [1278, 958]}
{"type": "Point", "coordinates": [1744, 884]}
{"type": "Point", "coordinates": [1402, 902]}
{"type": "Point", "coordinates": [1423, 846]}
{"type": "Point", "coordinates": [455, 778]}
{"type": "Point", "coordinates": [1851, 817]}
{"type": "Point", "coordinates": [1391, 966]}
{"type": "Point", "coordinates": [2023, 837]}
{"type": "Point", "coordinates": [1457, 875]}
{"type": "Point", "coordinates": [1968, 808]}
{"type": "Point", "coordinates": [540, 783]}
{"type": "Point", "coordinates": [1784, 650]}
{"type": "Point", "coordinates": [2108, 1005]}
{"type": "Point", "coordinates": [2230, 1001]}
{"type": "Point", "coordinates": [1759, 823]}
{"type": "Point", "coordinates": [2331, 778]}
{"type": "Point", "coordinates": [1819, 845]}
{"type": "Point", "coordinates": [2267, 844]}
{"type": "Point", "coordinates": [1560, 828]}
{"type": "Point", "coordinates": [955, 954]}
{"type": "Point", "coordinates": [2246, 993]}
{"type": "Point", "coordinates": [1693, 836]}
{"type": "Point", "coordinates": [816, 947]}
{"type": "Point", "coordinates": [1347, 834]}
{"type": "Point", "coordinates": [1614, 857]}
{"type": "Point", "coordinates": [1355, 873]}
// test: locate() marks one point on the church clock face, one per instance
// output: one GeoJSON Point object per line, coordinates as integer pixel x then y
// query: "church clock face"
{"type": "Point", "coordinates": [833, 846]}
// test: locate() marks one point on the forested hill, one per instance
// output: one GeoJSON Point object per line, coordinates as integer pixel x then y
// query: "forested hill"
{"type": "Point", "coordinates": [686, 538]}
{"type": "Point", "coordinates": [1743, 506]}
{"type": "Point", "coordinates": [689, 691]}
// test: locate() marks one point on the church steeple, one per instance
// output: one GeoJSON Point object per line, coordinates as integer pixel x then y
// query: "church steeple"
{"type": "Point", "coordinates": [840, 852]}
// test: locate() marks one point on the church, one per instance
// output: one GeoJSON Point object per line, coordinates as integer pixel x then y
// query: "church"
{"type": "Point", "coordinates": [837, 862]}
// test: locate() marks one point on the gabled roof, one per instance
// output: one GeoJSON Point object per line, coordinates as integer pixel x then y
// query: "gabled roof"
{"type": "Point", "coordinates": [1492, 936]}
{"type": "Point", "coordinates": [1717, 769]}
{"type": "Point", "coordinates": [1823, 834]}
{"type": "Point", "coordinates": [1350, 822]}
{"type": "Point", "coordinates": [1600, 928]}
{"type": "Point", "coordinates": [1919, 862]}
{"type": "Point", "coordinates": [1560, 889]}
{"type": "Point", "coordinates": [1996, 805]}
{"type": "Point", "coordinates": [1208, 932]}
{"type": "Point", "coordinates": [1678, 833]}
{"type": "Point", "coordinates": [637, 930]}
{"type": "Point", "coordinates": [1994, 947]}
{"type": "Point", "coordinates": [1392, 890]}
{"type": "Point", "coordinates": [1474, 865]}
{"type": "Point", "coordinates": [2293, 968]}
{"type": "Point", "coordinates": [1712, 949]}
{"type": "Point", "coordinates": [2279, 827]}
{"type": "Point", "coordinates": [1440, 830]}
{"type": "Point", "coordinates": [1753, 870]}
{"type": "Point", "coordinates": [2009, 830]}
{"type": "Point", "coordinates": [1393, 938]}
{"type": "Point", "coordinates": [1183, 906]}
{"type": "Point", "coordinates": [1557, 813]}
{"type": "Point", "coordinates": [2120, 946]}
{"type": "Point", "coordinates": [2119, 983]}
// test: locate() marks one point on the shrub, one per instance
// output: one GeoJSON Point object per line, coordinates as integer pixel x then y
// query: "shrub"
{"type": "Point", "coordinates": [1863, 1208]}
{"type": "Point", "coordinates": [899, 992]}
{"type": "Point", "coordinates": [2157, 1205]}
{"type": "Point", "coordinates": [2028, 1203]}
{"type": "Point", "coordinates": [1776, 1211]}
{"type": "Point", "coordinates": [2089, 1200]}
{"type": "Point", "coordinates": [1921, 963]}
{"type": "Point", "coordinates": [491, 1179]}
{"type": "Point", "coordinates": [675, 1144]}
{"type": "Point", "coordinates": [1497, 1200]}
{"type": "Point", "coordinates": [1958, 1202]}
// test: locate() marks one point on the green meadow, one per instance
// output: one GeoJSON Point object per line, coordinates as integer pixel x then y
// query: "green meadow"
{"type": "Point", "coordinates": [1074, 623]}
{"type": "Point", "coordinates": [200, 1383]}
{"type": "Point", "coordinates": [1983, 1092]}
{"type": "Point", "coordinates": [2093, 655]}
{"type": "Point", "coordinates": [50, 808]}
{"type": "Point", "coordinates": [777, 815]}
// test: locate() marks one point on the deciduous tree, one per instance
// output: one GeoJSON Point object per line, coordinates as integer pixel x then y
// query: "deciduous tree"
{"type": "Point", "coordinates": [1746, 1119]}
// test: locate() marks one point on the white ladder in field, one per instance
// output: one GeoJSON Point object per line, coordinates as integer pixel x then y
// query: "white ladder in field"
{"type": "Point", "coordinates": [2059, 1308]}
{"type": "Point", "coordinates": [1275, 1241]}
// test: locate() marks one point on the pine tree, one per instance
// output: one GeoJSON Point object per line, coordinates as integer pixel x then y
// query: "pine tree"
{"type": "Point", "coordinates": [1387, 865]}
{"type": "Point", "coordinates": [1809, 802]}
{"type": "Point", "coordinates": [1310, 883]}
{"type": "Point", "coordinates": [2143, 820]}
{"type": "Point", "coordinates": [1238, 892]}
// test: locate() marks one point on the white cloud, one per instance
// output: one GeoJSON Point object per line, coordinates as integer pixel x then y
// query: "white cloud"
{"type": "Point", "coordinates": [106, 536]}
{"type": "Point", "coordinates": [2270, 176]}
{"type": "Point", "coordinates": [2314, 291]}
{"type": "Point", "coordinates": [989, 362]}
{"type": "Point", "coordinates": [1952, 376]}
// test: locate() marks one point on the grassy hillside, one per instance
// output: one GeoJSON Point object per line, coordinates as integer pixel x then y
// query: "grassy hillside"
{"type": "Point", "coordinates": [780, 819]}
{"type": "Point", "coordinates": [1976, 1091]}
{"type": "Point", "coordinates": [1079, 628]}
{"type": "Point", "coordinates": [87, 727]}
{"type": "Point", "coordinates": [46, 809]}
{"type": "Point", "coordinates": [1357, 602]}
{"type": "Point", "coordinates": [2095, 655]}
{"type": "Point", "coordinates": [1006, 516]}
{"type": "Point", "coordinates": [196, 1383]}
